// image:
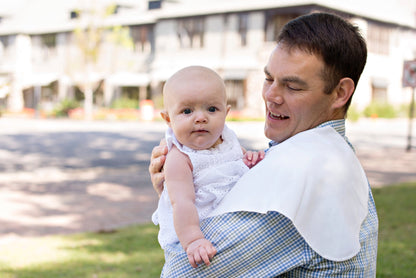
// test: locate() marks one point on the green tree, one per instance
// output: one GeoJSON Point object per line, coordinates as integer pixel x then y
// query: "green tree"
{"type": "Point", "coordinates": [90, 39]}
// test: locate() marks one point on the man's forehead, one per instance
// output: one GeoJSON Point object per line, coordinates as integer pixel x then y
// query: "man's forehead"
{"type": "Point", "coordinates": [293, 58]}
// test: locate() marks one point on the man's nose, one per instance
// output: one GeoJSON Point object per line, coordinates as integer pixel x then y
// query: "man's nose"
{"type": "Point", "coordinates": [274, 94]}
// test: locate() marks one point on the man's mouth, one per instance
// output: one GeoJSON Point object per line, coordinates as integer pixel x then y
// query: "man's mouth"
{"type": "Point", "coordinates": [278, 116]}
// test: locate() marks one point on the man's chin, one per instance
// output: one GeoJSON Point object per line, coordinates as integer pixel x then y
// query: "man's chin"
{"type": "Point", "coordinates": [270, 133]}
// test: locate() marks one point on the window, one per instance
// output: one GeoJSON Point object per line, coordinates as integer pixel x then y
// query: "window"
{"type": "Point", "coordinates": [154, 4]}
{"type": "Point", "coordinates": [4, 40]}
{"type": "Point", "coordinates": [191, 32]}
{"type": "Point", "coordinates": [49, 40]}
{"type": "Point", "coordinates": [142, 38]}
{"type": "Point", "coordinates": [44, 46]}
{"type": "Point", "coordinates": [74, 14]}
{"type": "Point", "coordinates": [379, 90]}
{"type": "Point", "coordinates": [235, 94]}
{"type": "Point", "coordinates": [379, 95]}
{"type": "Point", "coordinates": [48, 45]}
{"type": "Point", "coordinates": [4, 44]}
{"type": "Point", "coordinates": [378, 38]}
{"type": "Point", "coordinates": [274, 23]}
{"type": "Point", "coordinates": [242, 28]}
{"type": "Point", "coordinates": [117, 9]}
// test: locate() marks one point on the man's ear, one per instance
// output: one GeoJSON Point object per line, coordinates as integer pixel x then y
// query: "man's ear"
{"type": "Point", "coordinates": [165, 116]}
{"type": "Point", "coordinates": [343, 92]}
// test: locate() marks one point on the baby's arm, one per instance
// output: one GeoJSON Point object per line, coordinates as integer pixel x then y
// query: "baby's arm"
{"type": "Point", "coordinates": [251, 158]}
{"type": "Point", "coordinates": [180, 186]}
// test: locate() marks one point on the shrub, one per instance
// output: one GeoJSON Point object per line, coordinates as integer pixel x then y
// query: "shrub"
{"type": "Point", "coordinates": [404, 111]}
{"type": "Point", "coordinates": [62, 109]}
{"type": "Point", "coordinates": [381, 110]}
{"type": "Point", "coordinates": [353, 114]}
{"type": "Point", "coordinates": [123, 103]}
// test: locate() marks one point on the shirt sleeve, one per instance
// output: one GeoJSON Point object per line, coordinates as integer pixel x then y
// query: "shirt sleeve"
{"type": "Point", "coordinates": [248, 245]}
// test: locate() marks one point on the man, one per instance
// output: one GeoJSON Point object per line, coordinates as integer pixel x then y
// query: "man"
{"type": "Point", "coordinates": [306, 210]}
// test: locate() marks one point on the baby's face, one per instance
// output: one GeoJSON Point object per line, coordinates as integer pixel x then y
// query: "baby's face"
{"type": "Point", "coordinates": [196, 110]}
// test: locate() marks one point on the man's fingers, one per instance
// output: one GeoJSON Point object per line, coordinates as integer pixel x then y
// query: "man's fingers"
{"type": "Point", "coordinates": [157, 161]}
{"type": "Point", "coordinates": [157, 181]}
{"type": "Point", "coordinates": [156, 164]}
{"type": "Point", "coordinates": [159, 151]}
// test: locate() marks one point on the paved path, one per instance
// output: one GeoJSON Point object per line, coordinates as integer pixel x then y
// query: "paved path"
{"type": "Point", "coordinates": [61, 176]}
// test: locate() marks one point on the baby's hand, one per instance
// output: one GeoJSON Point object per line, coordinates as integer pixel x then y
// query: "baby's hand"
{"type": "Point", "coordinates": [200, 250]}
{"type": "Point", "coordinates": [251, 158]}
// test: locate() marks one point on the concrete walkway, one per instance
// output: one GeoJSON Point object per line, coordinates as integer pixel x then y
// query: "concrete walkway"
{"type": "Point", "coordinates": [61, 176]}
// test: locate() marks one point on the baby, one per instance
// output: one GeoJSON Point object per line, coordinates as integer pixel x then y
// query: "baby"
{"type": "Point", "coordinates": [204, 161]}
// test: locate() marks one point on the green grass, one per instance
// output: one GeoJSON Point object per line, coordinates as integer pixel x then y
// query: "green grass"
{"type": "Point", "coordinates": [134, 251]}
{"type": "Point", "coordinates": [129, 252]}
{"type": "Point", "coordinates": [396, 208]}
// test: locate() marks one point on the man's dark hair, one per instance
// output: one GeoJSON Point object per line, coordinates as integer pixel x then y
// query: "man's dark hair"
{"type": "Point", "coordinates": [336, 41]}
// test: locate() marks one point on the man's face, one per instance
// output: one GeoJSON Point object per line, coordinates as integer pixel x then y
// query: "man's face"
{"type": "Point", "coordinates": [293, 92]}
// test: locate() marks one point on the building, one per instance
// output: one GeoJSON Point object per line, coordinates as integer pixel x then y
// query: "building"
{"type": "Point", "coordinates": [132, 48]}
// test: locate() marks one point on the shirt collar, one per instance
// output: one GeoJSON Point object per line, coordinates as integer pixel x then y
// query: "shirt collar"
{"type": "Point", "coordinates": [338, 125]}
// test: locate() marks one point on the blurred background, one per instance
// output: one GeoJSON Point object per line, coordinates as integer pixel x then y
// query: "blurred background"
{"type": "Point", "coordinates": [106, 59]}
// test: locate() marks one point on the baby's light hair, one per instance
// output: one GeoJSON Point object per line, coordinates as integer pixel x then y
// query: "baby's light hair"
{"type": "Point", "coordinates": [194, 71]}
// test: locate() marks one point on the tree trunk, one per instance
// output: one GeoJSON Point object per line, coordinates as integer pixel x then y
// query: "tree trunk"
{"type": "Point", "coordinates": [88, 103]}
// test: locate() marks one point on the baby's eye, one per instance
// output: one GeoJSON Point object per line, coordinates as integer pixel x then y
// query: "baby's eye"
{"type": "Point", "coordinates": [187, 111]}
{"type": "Point", "coordinates": [212, 109]}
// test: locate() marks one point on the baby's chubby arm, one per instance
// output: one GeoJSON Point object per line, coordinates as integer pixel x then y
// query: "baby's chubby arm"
{"type": "Point", "coordinates": [251, 158]}
{"type": "Point", "coordinates": [180, 186]}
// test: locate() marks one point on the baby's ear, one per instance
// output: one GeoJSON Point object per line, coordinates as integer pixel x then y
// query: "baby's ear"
{"type": "Point", "coordinates": [165, 116]}
{"type": "Point", "coordinates": [228, 108]}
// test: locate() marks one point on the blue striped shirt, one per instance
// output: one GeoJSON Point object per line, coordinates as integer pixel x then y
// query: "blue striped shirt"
{"type": "Point", "coordinates": [252, 244]}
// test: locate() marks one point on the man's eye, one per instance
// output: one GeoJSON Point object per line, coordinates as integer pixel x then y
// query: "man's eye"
{"type": "Point", "coordinates": [294, 88]}
{"type": "Point", "coordinates": [212, 109]}
{"type": "Point", "coordinates": [187, 111]}
{"type": "Point", "coordinates": [268, 79]}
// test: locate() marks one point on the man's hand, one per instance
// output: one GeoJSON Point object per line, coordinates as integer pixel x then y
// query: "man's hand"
{"type": "Point", "coordinates": [251, 158]}
{"type": "Point", "coordinates": [157, 161]}
{"type": "Point", "coordinates": [200, 251]}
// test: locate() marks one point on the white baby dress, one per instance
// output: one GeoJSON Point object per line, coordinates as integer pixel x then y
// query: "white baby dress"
{"type": "Point", "coordinates": [215, 171]}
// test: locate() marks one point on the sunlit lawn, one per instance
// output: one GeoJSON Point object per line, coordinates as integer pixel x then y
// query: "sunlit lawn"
{"type": "Point", "coordinates": [396, 207]}
{"type": "Point", "coordinates": [130, 252]}
{"type": "Point", "coordinates": [134, 251]}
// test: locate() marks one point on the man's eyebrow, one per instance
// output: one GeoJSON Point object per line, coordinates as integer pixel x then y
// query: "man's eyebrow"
{"type": "Point", "coordinates": [294, 79]}
{"type": "Point", "coordinates": [288, 79]}
{"type": "Point", "coordinates": [266, 71]}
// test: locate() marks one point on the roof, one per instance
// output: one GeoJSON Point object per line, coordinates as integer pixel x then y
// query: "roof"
{"type": "Point", "coordinates": [49, 16]}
